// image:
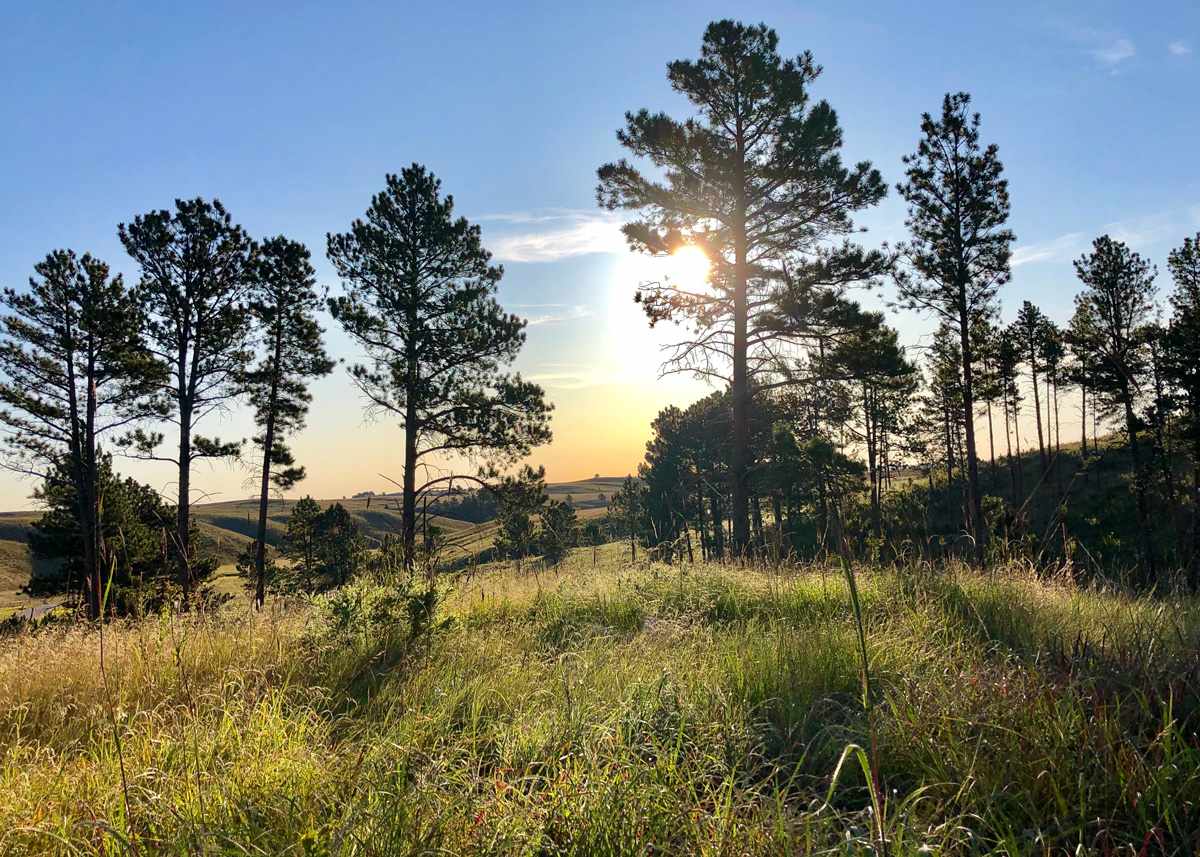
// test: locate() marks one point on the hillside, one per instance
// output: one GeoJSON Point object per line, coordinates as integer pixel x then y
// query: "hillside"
{"type": "Point", "coordinates": [229, 525]}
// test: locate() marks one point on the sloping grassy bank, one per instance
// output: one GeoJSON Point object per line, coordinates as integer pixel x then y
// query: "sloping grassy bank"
{"type": "Point", "coordinates": [613, 710]}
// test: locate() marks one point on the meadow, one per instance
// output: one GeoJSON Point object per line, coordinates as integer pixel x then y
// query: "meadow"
{"type": "Point", "coordinates": [604, 708]}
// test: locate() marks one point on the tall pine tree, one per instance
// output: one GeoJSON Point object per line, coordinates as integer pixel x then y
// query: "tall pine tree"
{"type": "Point", "coordinates": [1116, 303]}
{"type": "Point", "coordinates": [755, 180]}
{"type": "Point", "coordinates": [283, 303]}
{"type": "Point", "coordinates": [196, 275]}
{"type": "Point", "coordinates": [420, 301]}
{"type": "Point", "coordinates": [75, 369]}
{"type": "Point", "coordinates": [959, 249]}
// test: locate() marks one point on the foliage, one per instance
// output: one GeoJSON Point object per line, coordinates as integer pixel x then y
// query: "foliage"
{"type": "Point", "coordinates": [755, 180]}
{"type": "Point", "coordinates": [196, 275]}
{"type": "Point", "coordinates": [283, 303]}
{"type": "Point", "coordinates": [420, 301]}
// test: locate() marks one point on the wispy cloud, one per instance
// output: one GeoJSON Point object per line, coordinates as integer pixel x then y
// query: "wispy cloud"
{"type": "Point", "coordinates": [552, 235]}
{"type": "Point", "coordinates": [1056, 249]}
{"type": "Point", "coordinates": [1178, 49]}
{"type": "Point", "coordinates": [1109, 49]}
{"type": "Point", "coordinates": [1115, 52]}
{"type": "Point", "coordinates": [562, 313]}
{"type": "Point", "coordinates": [571, 376]}
{"type": "Point", "coordinates": [1136, 232]}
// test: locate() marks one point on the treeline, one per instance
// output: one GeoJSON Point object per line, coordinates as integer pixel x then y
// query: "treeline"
{"type": "Point", "coordinates": [826, 417]}
{"type": "Point", "coordinates": [92, 367]}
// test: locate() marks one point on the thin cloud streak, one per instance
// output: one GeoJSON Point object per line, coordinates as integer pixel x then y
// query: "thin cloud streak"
{"type": "Point", "coordinates": [1115, 52]}
{"type": "Point", "coordinates": [1178, 49]}
{"type": "Point", "coordinates": [561, 235]}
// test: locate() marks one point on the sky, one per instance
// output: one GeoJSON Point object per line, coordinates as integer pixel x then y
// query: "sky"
{"type": "Point", "coordinates": [292, 113]}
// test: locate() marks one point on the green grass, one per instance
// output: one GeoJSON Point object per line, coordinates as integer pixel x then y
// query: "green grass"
{"type": "Point", "coordinates": [617, 710]}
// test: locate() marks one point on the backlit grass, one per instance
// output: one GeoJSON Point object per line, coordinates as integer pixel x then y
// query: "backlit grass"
{"type": "Point", "coordinates": [613, 710]}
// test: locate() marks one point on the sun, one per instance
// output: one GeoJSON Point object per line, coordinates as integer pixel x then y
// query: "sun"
{"type": "Point", "coordinates": [688, 268]}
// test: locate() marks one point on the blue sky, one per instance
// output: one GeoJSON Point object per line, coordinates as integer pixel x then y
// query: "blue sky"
{"type": "Point", "coordinates": [292, 113]}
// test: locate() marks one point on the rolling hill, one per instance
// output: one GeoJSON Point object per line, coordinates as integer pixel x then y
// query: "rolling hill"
{"type": "Point", "coordinates": [229, 525]}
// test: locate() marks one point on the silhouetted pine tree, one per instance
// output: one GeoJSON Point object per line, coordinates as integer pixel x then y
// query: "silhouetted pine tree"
{"type": "Point", "coordinates": [75, 368]}
{"type": "Point", "coordinates": [1183, 366]}
{"type": "Point", "coordinates": [754, 179]}
{"type": "Point", "coordinates": [1117, 301]}
{"type": "Point", "coordinates": [959, 250]}
{"type": "Point", "coordinates": [196, 276]}
{"type": "Point", "coordinates": [283, 303]}
{"type": "Point", "coordinates": [420, 301]}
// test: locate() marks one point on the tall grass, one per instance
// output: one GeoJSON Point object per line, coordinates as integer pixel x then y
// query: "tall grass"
{"type": "Point", "coordinates": [621, 711]}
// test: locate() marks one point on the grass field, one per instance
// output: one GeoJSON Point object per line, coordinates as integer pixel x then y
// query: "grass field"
{"type": "Point", "coordinates": [615, 710]}
{"type": "Point", "coordinates": [230, 525]}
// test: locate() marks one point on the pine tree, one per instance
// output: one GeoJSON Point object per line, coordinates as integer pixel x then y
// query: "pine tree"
{"type": "Point", "coordinates": [196, 275]}
{"type": "Point", "coordinates": [301, 544]}
{"type": "Point", "coordinates": [560, 531]}
{"type": "Point", "coordinates": [1117, 301]}
{"type": "Point", "coordinates": [1030, 328]}
{"type": "Point", "coordinates": [420, 301]}
{"type": "Point", "coordinates": [958, 255]}
{"type": "Point", "coordinates": [1183, 365]}
{"type": "Point", "coordinates": [754, 180]}
{"type": "Point", "coordinates": [283, 303]}
{"type": "Point", "coordinates": [75, 369]}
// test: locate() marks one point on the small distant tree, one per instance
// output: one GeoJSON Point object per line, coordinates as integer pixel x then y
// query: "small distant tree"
{"type": "Point", "coordinates": [520, 497]}
{"type": "Point", "coordinates": [339, 544]}
{"type": "Point", "coordinates": [284, 303]}
{"type": "Point", "coordinates": [756, 181]}
{"type": "Point", "coordinates": [196, 276]}
{"type": "Point", "coordinates": [1116, 303]}
{"type": "Point", "coordinates": [132, 520]}
{"type": "Point", "coordinates": [1030, 327]}
{"type": "Point", "coordinates": [420, 301]}
{"type": "Point", "coordinates": [627, 506]}
{"type": "Point", "coordinates": [75, 369]}
{"type": "Point", "coordinates": [958, 253]}
{"type": "Point", "coordinates": [301, 544]}
{"type": "Point", "coordinates": [560, 531]}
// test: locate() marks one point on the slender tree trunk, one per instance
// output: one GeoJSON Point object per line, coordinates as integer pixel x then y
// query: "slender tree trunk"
{"type": "Point", "coordinates": [1195, 559]}
{"type": "Point", "coordinates": [1037, 411]}
{"type": "Point", "coordinates": [1083, 413]}
{"type": "Point", "coordinates": [260, 547]}
{"type": "Point", "coordinates": [718, 527]}
{"type": "Point", "coordinates": [991, 443]}
{"type": "Point", "coordinates": [973, 495]}
{"type": "Point", "coordinates": [183, 509]}
{"type": "Point", "coordinates": [741, 382]}
{"type": "Point", "coordinates": [1150, 571]}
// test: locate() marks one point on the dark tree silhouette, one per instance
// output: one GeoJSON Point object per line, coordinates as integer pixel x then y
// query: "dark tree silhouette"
{"type": "Point", "coordinates": [1183, 366]}
{"type": "Point", "coordinates": [283, 303]}
{"type": "Point", "coordinates": [1116, 303]}
{"type": "Point", "coordinates": [75, 369]}
{"type": "Point", "coordinates": [420, 301]}
{"type": "Point", "coordinates": [196, 275]}
{"type": "Point", "coordinates": [1030, 330]}
{"type": "Point", "coordinates": [754, 179]}
{"type": "Point", "coordinates": [959, 251]}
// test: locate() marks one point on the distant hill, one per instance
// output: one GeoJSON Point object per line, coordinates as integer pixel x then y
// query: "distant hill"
{"type": "Point", "coordinates": [230, 525]}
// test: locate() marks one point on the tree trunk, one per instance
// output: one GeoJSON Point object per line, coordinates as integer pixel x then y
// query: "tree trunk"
{"type": "Point", "coordinates": [741, 382]}
{"type": "Point", "coordinates": [991, 444]}
{"type": "Point", "coordinates": [183, 509]}
{"type": "Point", "coordinates": [718, 528]}
{"type": "Point", "coordinates": [260, 547]}
{"type": "Point", "coordinates": [1037, 411]}
{"type": "Point", "coordinates": [975, 500]}
{"type": "Point", "coordinates": [1149, 571]}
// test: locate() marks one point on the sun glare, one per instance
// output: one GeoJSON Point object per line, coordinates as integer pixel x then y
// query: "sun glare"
{"type": "Point", "coordinates": [688, 267]}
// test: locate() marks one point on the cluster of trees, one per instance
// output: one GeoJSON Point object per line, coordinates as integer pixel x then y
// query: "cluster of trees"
{"type": "Point", "coordinates": [823, 410]}
{"type": "Point", "coordinates": [90, 365]}
{"type": "Point", "coordinates": [321, 548]}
